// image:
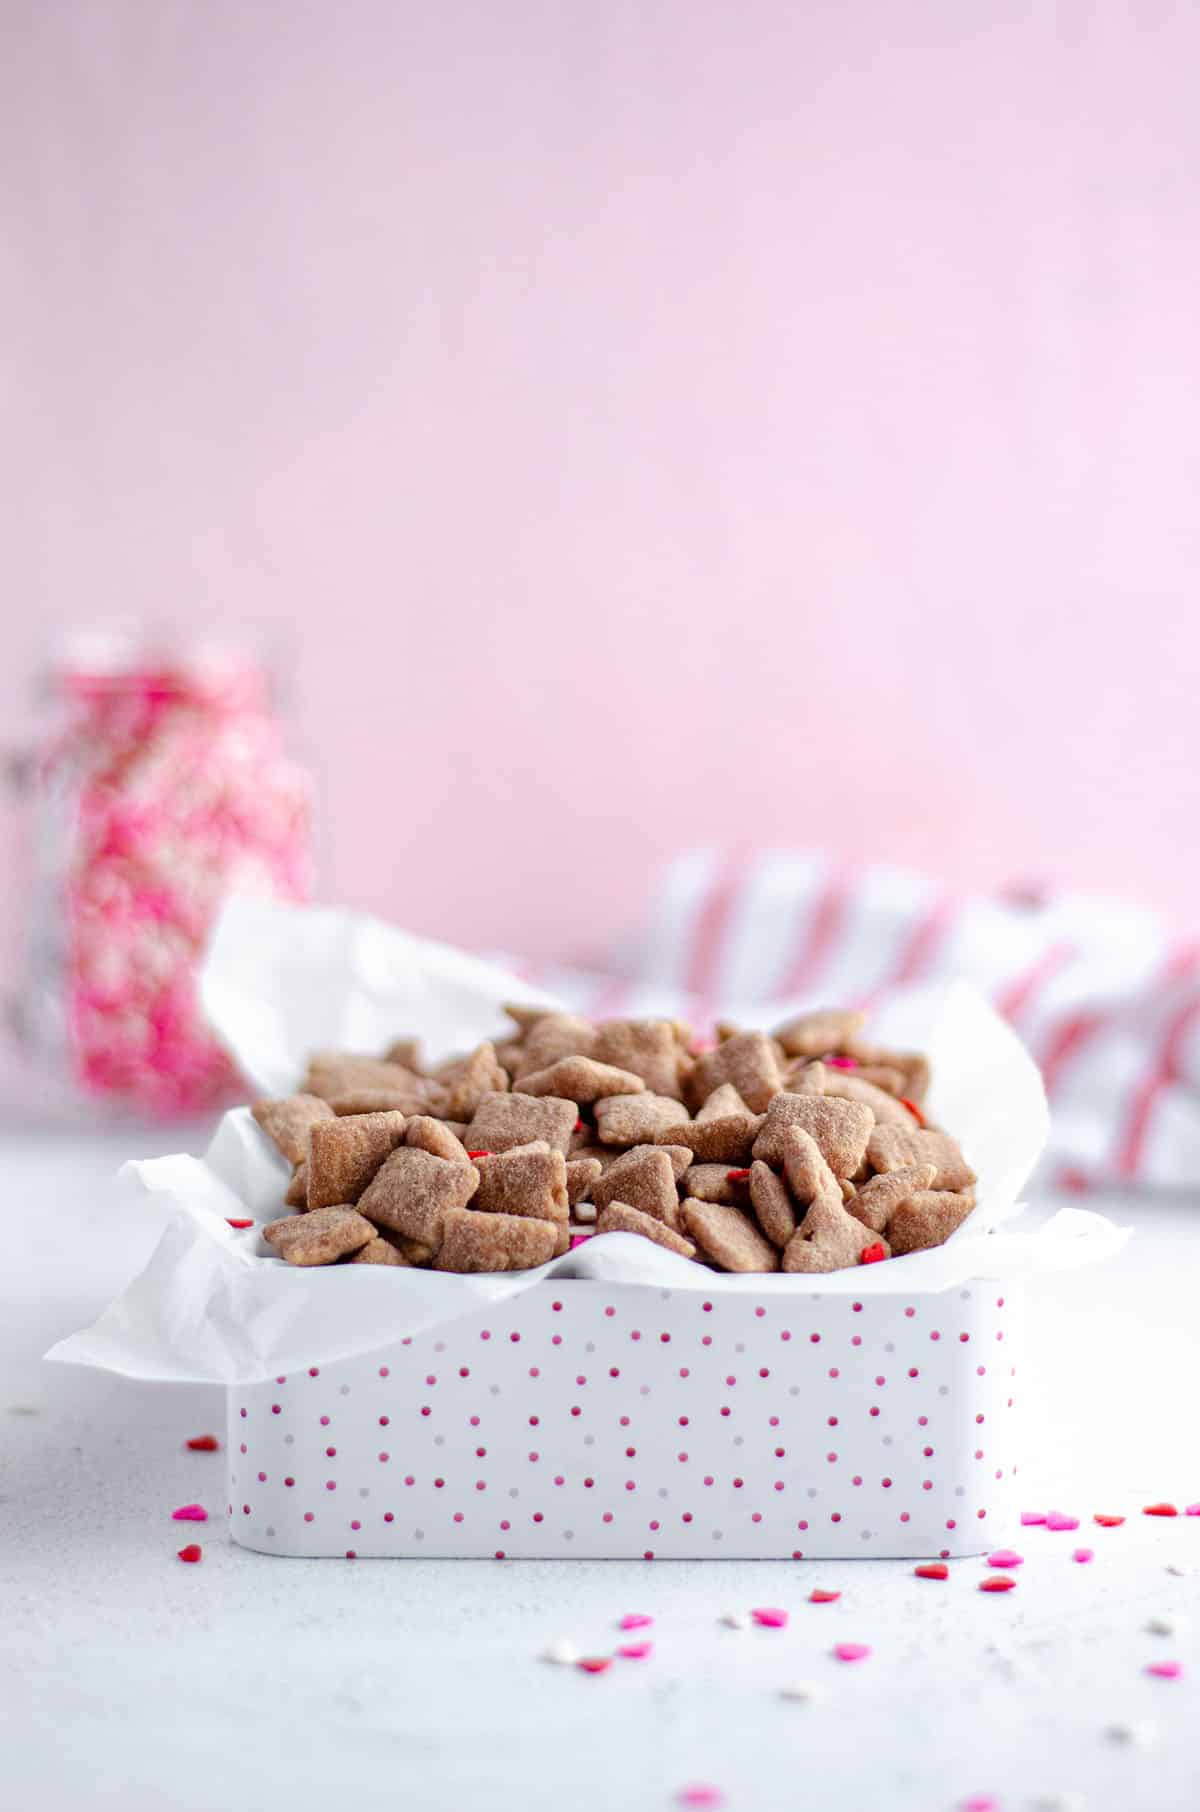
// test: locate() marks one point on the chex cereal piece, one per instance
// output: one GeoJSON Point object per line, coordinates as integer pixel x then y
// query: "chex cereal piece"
{"type": "Point", "coordinates": [287, 1121]}
{"type": "Point", "coordinates": [434, 1136]}
{"type": "Point", "coordinates": [523, 1017]}
{"type": "Point", "coordinates": [883, 1075]}
{"type": "Point", "coordinates": [812, 1034]}
{"type": "Point", "coordinates": [711, 1183]}
{"type": "Point", "coordinates": [582, 1080]}
{"type": "Point", "coordinates": [726, 1141]}
{"type": "Point", "coordinates": [581, 1175]}
{"type": "Point", "coordinates": [380, 1101]}
{"type": "Point", "coordinates": [809, 1176]}
{"type": "Point", "coordinates": [645, 1179]}
{"type": "Point", "coordinates": [850, 1085]}
{"type": "Point", "coordinates": [772, 1204]}
{"type": "Point", "coordinates": [849, 1190]}
{"type": "Point", "coordinates": [728, 1236]}
{"type": "Point", "coordinates": [405, 1051]}
{"type": "Point", "coordinates": [877, 1200]}
{"type": "Point", "coordinates": [913, 1067]}
{"type": "Point", "coordinates": [555, 1035]}
{"type": "Point", "coordinates": [413, 1190]}
{"type": "Point", "coordinates": [583, 1214]}
{"type": "Point", "coordinates": [468, 1081]}
{"type": "Point", "coordinates": [840, 1128]}
{"type": "Point", "coordinates": [333, 1073]}
{"type": "Point", "coordinates": [927, 1218]}
{"type": "Point", "coordinates": [376, 1252]}
{"type": "Point", "coordinates": [474, 1242]}
{"type": "Point", "coordinates": [296, 1194]}
{"type": "Point", "coordinates": [723, 1102]}
{"type": "Point", "coordinates": [895, 1147]}
{"type": "Point", "coordinates": [648, 1047]}
{"type": "Point", "coordinates": [748, 1061]}
{"type": "Point", "coordinates": [343, 1155]}
{"type": "Point", "coordinates": [680, 1156]}
{"type": "Point", "coordinates": [634, 1119]}
{"type": "Point", "coordinates": [619, 1217]}
{"type": "Point", "coordinates": [828, 1238]}
{"type": "Point", "coordinates": [526, 1179]}
{"type": "Point", "coordinates": [804, 1076]}
{"type": "Point", "coordinates": [319, 1238]}
{"type": "Point", "coordinates": [502, 1121]}
{"type": "Point", "coordinates": [413, 1252]}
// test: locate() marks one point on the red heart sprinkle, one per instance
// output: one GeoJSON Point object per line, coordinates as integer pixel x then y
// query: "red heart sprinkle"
{"type": "Point", "coordinates": [239, 1224]}
{"type": "Point", "coordinates": [204, 1443]}
{"type": "Point", "coordinates": [932, 1569]}
{"type": "Point", "coordinates": [192, 1552]}
{"type": "Point", "coordinates": [871, 1255]}
{"type": "Point", "coordinates": [579, 1124]}
{"type": "Point", "coordinates": [479, 1154]}
{"type": "Point", "coordinates": [1108, 1522]}
{"type": "Point", "coordinates": [736, 1176]}
{"type": "Point", "coordinates": [1160, 1510]}
{"type": "Point", "coordinates": [913, 1109]}
{"type": "Point", "coordinates": [819, 1596]}
{"type": "Point", "coordinates": [595, 1664]}
{"type": "Point", "coordinates": [998, 1582]}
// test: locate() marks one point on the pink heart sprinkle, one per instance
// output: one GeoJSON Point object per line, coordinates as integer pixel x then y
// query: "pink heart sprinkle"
{"type": "Point", "coordinates": [1031, 1516]}
{"type": "Point", "coordinates": [770, 1620]}
{"type": "Point", "coordinates": [1165, 1670]}
{"type": "Point", "coordinates": [635, 1620]}
{"type": "Point", "coordinates": [190, 1513]}
{"type": "Point", "coordinates": [579, 1239]}
{"type": "Point", "coordinates": [700, 1795]}
{"type": "Point", "coordinates": [636, 1651]}
{"type": "Point", "coordinates": [1056, 1520]}
{"type": "Point", "coordinates": [1083, 1555]}
{"type": "Point", "coordinates": [851, 1651]}
{"type": "Point", "coordinates": [981, 1802]}
{"type": "Point", "coordinates": [1192, 1510]}
{"type": "Point", "coordinates": [1006, 1557]}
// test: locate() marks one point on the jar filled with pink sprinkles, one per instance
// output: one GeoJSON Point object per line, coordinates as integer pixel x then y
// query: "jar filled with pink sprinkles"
{"type": "Point", "coordinates": [159, 783]}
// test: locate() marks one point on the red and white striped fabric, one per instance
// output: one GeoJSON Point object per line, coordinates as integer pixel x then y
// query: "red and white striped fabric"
{"type": "Point", "coordinates": [1104, 995]}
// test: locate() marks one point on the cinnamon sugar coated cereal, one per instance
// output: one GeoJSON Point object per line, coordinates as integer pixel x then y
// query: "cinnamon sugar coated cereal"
{"type": "Point", "coordinates": [805, 1150]}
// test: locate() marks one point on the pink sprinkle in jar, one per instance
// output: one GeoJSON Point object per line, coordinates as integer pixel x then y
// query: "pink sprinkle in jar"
{"type": "Point", "coordinates": [157, 783]}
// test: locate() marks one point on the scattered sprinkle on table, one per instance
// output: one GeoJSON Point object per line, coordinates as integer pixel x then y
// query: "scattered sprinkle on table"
{"type": "Point", "coordinates": [1192, 1510]}
{"type": "Point", "coordinates": [636, 1651]}
{"type": "Point", "coordinates": [981, 1802]}
{"type": "Point", "coordinates": [1177, 1568]}
{"type": "Point", "coordinates": [635, 1620]}
{"type": "Point", "coordinates": [203, 1443]}
{"type": "Point", "coordinates": [1166, 1624]}
{"type": "Point", "coordinates": [1139, 1733]}
{"type": "Point", "coordinates": [561, 1652]}
{"type": "Point", "coordinates": [190, 1513]}
{"type": "Point", "coordinates": [700, 1794]}
{"type": "Point", "coordinates": [997, 1582]}
{"type": "Point", "coordinates": [240, 1225]}
{"type": "Point", "coordinates": [1029, 1517]}
{"type": "Point", "coordinates": [1160, 1510]}
{"type": "Point", "coordinates": [819, 1595]}
{"type": "Point", "coordinates": [1083, 1555]}
{"type": "Point", "coordinates": [594, 1664]}
{"type": "Point", "coordinates": [1108, 1522]}
{"type": "Point", "coordinates": [191, 1553]}
{"type": "Point", "coordinates": [801, 1692]}
{"type": "Point", "coordinates": [1006, 1557]}
{"type": "Point", "coordinates": [1165, 1670]}
{"type": "Point", "coordinates": [769, 1619]}
{"type": "Point", "coordinates": [932, 1569]}
{"type": "Point", "coordinates": [851, 1651]}
{"type": "Point", "coordinates": [1058, 1520]}
{"type": "Point", "coordinates": [735, 1620]}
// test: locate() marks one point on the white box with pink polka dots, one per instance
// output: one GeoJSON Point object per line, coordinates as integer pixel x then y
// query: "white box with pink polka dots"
{"type": "Point", "coordinates": [595, 1420]}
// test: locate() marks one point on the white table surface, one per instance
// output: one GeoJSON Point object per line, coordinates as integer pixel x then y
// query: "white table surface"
{"type": "Point", "coordinates": [130, 1681]}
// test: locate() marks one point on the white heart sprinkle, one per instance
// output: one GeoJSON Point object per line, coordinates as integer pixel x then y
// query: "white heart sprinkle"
{"type": "Point", "coordinates": [802, 1691]}
{"type": "Point", "coordinates": [1141, 1734]}
{"type": "Point", "coordinates": [562, 1653]}
{"type": "Point", "coordinates": [736, 1620]}
{"type": "Point", "coordinates": [1179, 1571]}
{"type": "Point", "coordinates": [585, 1213]}
{"type": "Point", "coordinates": [1166, 1625]}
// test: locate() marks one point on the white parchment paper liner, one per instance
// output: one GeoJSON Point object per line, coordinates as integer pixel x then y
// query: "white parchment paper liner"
{"type": "Point", "coordinates": [216, 1305]}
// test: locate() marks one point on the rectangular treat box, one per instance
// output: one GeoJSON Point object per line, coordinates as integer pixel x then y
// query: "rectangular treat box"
{"type": "Point", "coordinates": [594, 1420]}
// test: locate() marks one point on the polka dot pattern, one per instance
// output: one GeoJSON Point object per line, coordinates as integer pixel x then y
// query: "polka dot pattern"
{"type": "Point", "coordinates": [604, 1377]}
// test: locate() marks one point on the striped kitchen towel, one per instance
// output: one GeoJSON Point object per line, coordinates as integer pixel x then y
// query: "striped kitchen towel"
{"type": "Point", "coordinates": [1105, 995]}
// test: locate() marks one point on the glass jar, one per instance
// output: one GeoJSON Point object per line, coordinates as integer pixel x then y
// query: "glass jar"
{"type": "Point", "coordinates": [157, 783]}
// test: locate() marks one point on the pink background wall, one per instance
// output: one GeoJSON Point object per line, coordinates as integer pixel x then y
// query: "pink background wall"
{"type": "Point", "coordinates": [648, 422]}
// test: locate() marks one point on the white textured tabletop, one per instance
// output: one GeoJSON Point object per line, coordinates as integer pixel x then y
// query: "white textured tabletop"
{"type": "Point", "coordinates": [130, 1681]}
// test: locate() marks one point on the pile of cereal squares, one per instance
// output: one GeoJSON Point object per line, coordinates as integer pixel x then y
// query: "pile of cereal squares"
{"type": "Point", "coordinates": [805, 1149]}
